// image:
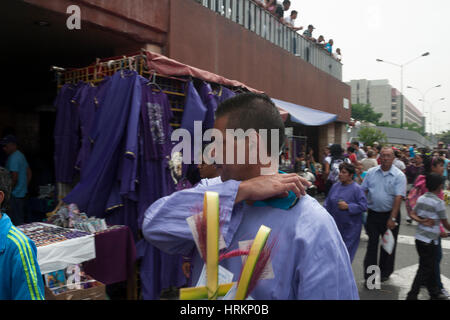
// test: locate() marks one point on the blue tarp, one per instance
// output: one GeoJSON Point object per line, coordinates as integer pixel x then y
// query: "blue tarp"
{"type": "Point", "coordinates": [304, 115]}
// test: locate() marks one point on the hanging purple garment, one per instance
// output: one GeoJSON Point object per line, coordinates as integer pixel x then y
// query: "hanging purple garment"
{"type": "Point", "coordinates": [158, 270]}
{"type": "Point", "coordinates": [67, 140]}
{"type": "Point", "coordinates": [225, 94]}
{"type": "Point", "coordinates": [94, 189]}
{"type": "Point", "coordinates": [211, 102]}
{"type": "Point", "coordinates": [129, 159]}
{"type": "Point", "coordinates": [156, 116]}
{"type": "Point", "coordinates": [194, 109]}
{"type": "Point", "coordinates": [125, 214]}
{"type": "Point", "coordinates": [87, 108]}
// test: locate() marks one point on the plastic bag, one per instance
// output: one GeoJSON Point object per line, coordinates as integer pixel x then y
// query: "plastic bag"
{"type": "Point", "coordinates": [388, 241]}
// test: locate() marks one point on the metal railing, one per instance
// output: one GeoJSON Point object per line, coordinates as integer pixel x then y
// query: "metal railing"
{"type": "Point", "coordinates": [256, 19]}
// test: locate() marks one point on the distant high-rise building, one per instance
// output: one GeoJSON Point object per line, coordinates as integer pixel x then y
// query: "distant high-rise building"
{"type": "Point", "coordinates": [385, 99]}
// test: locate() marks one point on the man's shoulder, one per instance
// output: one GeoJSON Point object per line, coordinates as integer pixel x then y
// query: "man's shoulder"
{"type": "Point", "coordinates": [309, 212]}
{"type": "Point", "coordinates": [371, 171]}
{"type": "Point", "coordinates": [396, 171]}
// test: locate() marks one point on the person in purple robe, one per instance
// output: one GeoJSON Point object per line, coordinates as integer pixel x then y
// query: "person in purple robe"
{"type": "Point", "coordinates": [346, 202]}
{"type": "Point", "coordinates": [310, 260]}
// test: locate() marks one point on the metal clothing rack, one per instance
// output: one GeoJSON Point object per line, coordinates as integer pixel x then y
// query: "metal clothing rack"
{"type": "Point", "coordinates": [174, 87]}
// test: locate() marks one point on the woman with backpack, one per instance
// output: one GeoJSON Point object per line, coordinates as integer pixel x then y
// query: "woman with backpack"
{"type": "Point", "coordinates": [332, 163]}
{"type": "Point", "coordinates": [431, 165]}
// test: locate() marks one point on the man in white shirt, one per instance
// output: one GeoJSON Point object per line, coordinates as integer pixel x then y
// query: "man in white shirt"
{"type": "Point", "coordinates": [290, 21]}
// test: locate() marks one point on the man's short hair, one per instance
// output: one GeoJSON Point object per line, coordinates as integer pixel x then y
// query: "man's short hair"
{"type": "Point", "coordinates": [253, 111]}
{"type": "Point", "coordinates": [370, 153]}
{"type": "Point", "coordinates": [433, 181]}
{"type": "Point", "coordinates": [355, 143]}
{"type": "Point", "coordinates": [286, 2]}
{"type": "Point", "coordinates": [294, 12]}
{"type": "Point", "coordinates": [5, 186]}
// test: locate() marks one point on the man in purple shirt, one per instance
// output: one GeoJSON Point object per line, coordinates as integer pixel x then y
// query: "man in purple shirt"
{"type": "Point", "coordinates": [310, 260]}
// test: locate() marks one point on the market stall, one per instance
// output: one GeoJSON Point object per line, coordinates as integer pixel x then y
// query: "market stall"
{"type": "Point", "coordinates": [105, 254]}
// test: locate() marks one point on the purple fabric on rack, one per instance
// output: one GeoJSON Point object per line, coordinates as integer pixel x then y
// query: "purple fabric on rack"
{"type": "Point", "coordinates": [225, 94]}
{"type": "Point", "coordinates": [94, 189]}
{"type": "Point", "coordinates": [194, 109]}
{"type": "Point", "coordinates": [87, 108]}
{"type": "Point", "coordinates": [159, 270]}
{"type": "Point", "coordinates": [129, 159]}
{"type": "Point", "coordinates": [211, 102]}
{"type": "Point", "coordinates": [66, 133]}
{"type": "Point", "coordinates": [126, 214]}
{"type": "Point", "coordinates": [156, 116]}
{"type": "Point", "coordinates": [115, 253]}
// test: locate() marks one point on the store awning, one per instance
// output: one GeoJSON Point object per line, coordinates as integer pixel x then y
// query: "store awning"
{"type": "Point", "coordinates": [304, 115]}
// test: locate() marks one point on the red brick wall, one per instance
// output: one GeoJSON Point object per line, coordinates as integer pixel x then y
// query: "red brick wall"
{"type": "Point", "coordinates": [203, 39]}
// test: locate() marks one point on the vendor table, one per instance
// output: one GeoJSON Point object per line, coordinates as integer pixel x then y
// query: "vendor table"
{"type": "Point", "coordinates": [61, 252]}
{"type": "Point", "coordinates": [108, 256]}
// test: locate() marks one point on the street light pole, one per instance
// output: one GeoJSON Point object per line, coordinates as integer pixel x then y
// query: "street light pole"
{"type": "Point", "coordinates": [401, 81]}
{"type": "Point", "coordinates": [431, 113]}
{"type": "Point", "coordinates": [423, 99]}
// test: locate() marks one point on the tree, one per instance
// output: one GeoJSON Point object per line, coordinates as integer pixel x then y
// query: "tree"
{"type": "Point", "coordinates": [364, 112]}
{"type": "Point", "coordinates": [369, 135]}
{"type": "Point", "coordinates": [445, 137]}
{"type": "Point", "coordinates": [407, 126]}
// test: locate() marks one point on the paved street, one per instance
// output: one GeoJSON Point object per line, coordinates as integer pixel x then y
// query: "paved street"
{"type": "Point", "coordinates": [406, 264]}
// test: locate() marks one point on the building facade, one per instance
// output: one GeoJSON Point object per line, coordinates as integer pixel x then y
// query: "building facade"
{"type": "Point", "coordinates": [385, 99]}
{"type": "Point", "coordinates": [234, 39]}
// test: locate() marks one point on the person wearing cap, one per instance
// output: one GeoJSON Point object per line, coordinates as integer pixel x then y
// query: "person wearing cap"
{"type": "Point", "coordinates": [308, 33]}
{"type": "Point", "coordinates": [20, 171]}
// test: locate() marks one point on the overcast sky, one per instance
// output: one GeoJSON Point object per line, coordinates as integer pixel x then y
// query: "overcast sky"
{"type": "Point", "coordinates": [393, 30]}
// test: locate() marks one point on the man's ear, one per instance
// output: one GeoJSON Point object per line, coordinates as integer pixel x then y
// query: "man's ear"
{"type": "Point", "coordinates": [2, 197]}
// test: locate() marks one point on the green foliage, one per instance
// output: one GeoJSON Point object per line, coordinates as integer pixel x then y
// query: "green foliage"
{"type": "Point", "coordinates": [445, 137]}
{"type": "Point", "coordinates": [407, 126]}
{"type": "Point", "coordinates": [364, 112]}
{"type": "Point", "coordinates": [369, 135]}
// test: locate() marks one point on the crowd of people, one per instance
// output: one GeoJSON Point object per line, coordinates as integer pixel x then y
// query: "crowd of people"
{"type": "Point", "coordinates": [279, 9]}
{"type": "Point", "coordinates": [366, 185]}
